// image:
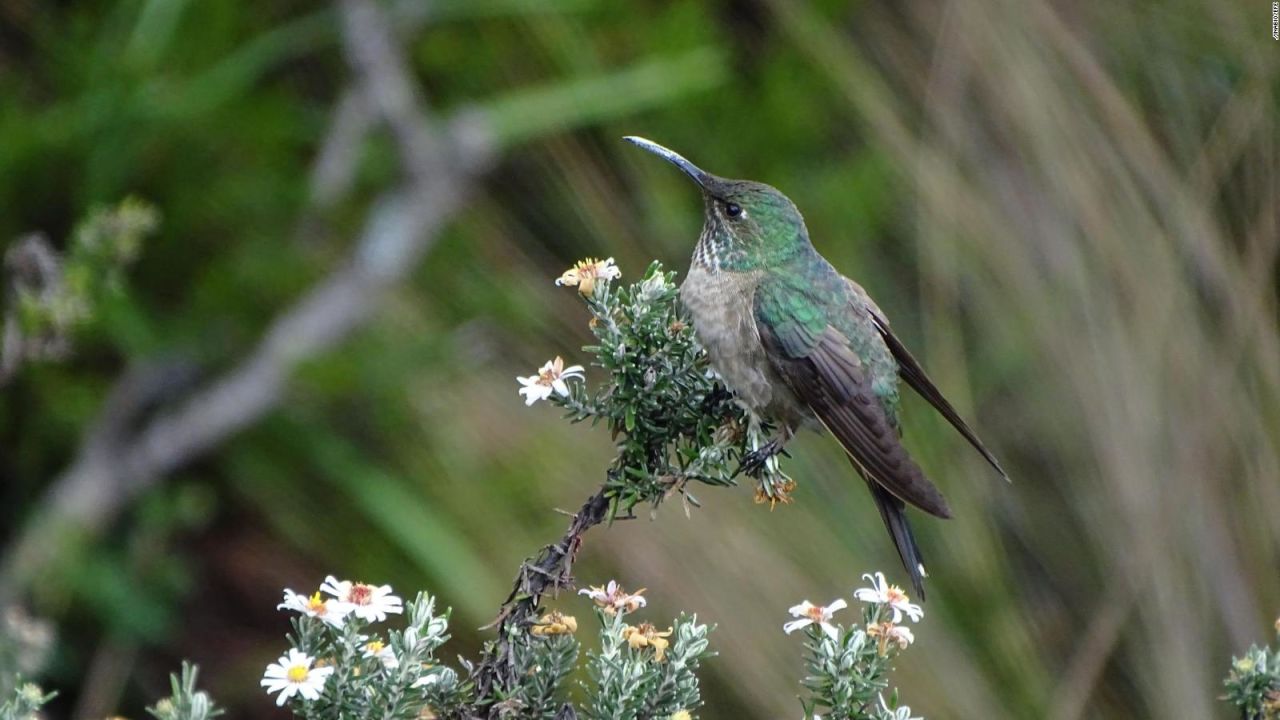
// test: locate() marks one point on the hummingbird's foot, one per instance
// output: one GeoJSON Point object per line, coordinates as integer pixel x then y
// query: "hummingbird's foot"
{"type": "Point", "coordinates": [755, 462]}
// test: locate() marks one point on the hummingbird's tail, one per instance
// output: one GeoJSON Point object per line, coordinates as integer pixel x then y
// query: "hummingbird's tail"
{"type": "Point", "coordinates": [893, 511]}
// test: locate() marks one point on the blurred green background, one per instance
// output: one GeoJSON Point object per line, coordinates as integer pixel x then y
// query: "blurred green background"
{"type": "Point", "coordinates": [1070, 209]}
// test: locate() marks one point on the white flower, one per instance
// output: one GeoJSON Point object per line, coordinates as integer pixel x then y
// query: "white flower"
{"type": "Point", "coordinates": [376, 648]}
{"type": "Point", "coordinates": [293, 675]}
{"type": "Point", "coordinates": [881, 592]}
{"type": "Point", "coordinates": [584, 273]}
{"type": "Point", "coordinates": [330, 611]}
{"type": "Point", "coordinates": [551, 378]}
{"type": "Point", "coordinates": [366, 601]}
{"type": "Point", "coordinates": [612, 598]}
{"type": "Point", "coordinates": [887, 632]}
{"type": "Point", "coordinates": [810, 614]}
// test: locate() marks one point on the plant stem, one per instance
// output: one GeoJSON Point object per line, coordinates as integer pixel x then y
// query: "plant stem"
{"type": "Point", "coordinates": [547, 571]}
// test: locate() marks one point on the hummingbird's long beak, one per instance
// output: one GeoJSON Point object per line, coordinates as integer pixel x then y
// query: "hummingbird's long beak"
{"type": "Point", "coordinates": [699, 176]}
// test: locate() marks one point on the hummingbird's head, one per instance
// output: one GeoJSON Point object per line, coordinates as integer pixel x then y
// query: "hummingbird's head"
{"type": "Point", "coordinates": [746, 224]}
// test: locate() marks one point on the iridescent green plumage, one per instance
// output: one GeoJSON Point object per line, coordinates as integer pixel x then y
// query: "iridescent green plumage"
{"type": "Point", "coordinates": [800, 344]}
{"type": "Point", "coordinates": [799, 299]}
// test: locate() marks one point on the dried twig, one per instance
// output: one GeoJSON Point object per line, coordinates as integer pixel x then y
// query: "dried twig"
{"type": "Point", "coordinates": [548, 571]}
{"type": "Point", "coordinates": [440, 163]}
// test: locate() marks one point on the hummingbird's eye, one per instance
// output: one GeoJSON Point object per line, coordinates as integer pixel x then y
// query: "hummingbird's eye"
{"type": "Point", "coordinates": [733, 210]}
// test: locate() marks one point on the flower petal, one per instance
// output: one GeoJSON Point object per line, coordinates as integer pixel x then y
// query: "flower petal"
{"type": "Point", "coordinates": [800, 610]}
{"type": "Point", "coordinates": [796, 625]}
{"type": "Point", "coordinates": [335, 587]}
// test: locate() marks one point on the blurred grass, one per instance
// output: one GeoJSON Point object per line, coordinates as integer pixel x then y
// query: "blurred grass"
{"type": "Point", "coordinates": [1068, 209]}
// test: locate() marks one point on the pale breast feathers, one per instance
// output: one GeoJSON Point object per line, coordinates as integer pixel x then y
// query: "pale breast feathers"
{"type": "Point", "coordinates": [724, 319]}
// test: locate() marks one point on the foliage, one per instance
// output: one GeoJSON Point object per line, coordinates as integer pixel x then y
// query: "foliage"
{"type": "Point", "coordinates": [393, 674]}
{"type": "Point", "coordinates": [1067, 210]}
{"type": "Point", "coordinates": [847, 674]}
{"type": "Point", "coordinates": [26, 642]}
{"type": "Point", "coordinates": [671, 416]}
{"type": "Point", "coordinates": [848, 667]}
{"type": "Point", "coordinates": [545, 661]}
{"type": "Point", "coordinates": [340, 665]}
{"type": "Point", "coordinates": [1253, 684]}
{"type": "Point", "coordinates": [636, 675]}
{"type": "Point", "coordinates": [101, 249]}
{"type": "Point", "coordinates": [186, 702]}
{"type": "Point", "coordinates": [24, 702]}
{"type": "Point", "coordinates": [51, 295]}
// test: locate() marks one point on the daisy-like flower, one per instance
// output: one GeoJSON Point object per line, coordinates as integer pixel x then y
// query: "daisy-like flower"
{"type": "Point", "coordinates": [554, 623]}
{"type": "Point", "coordinates": [612, 598]}
{"type": "Point", "coordinates": [820, 614]}
{"type": "Point", "coordinates": [376, 648]}
{"type": "Point", "coordinates": [883, 593]}
{"type": "Point", "coordinates": [550, 378]}
{"type": "Point", "coordinates": [328, 610]}
{"type": "Point", "coordinates": [887, 632]}
{"type": "Point", "coordinates": [646, 635]}
{"type": "Point", "coordinates": [584, 274]}
{"type": "Point", "coordinates": [367, 602]}
{"type": "Point", "coordinates": [293, 675]}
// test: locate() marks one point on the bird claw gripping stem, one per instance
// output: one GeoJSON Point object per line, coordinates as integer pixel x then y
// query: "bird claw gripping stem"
{"type": "Point", "coordinates": [761, 464]}
{"type": "Point", "coordinates": [762, 459]}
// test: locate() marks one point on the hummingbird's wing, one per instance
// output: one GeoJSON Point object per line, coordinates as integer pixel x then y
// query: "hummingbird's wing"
{"type": "Point", "coordinates": [909, 369]}
{"type": "Point", "coordinates": [819, 364]}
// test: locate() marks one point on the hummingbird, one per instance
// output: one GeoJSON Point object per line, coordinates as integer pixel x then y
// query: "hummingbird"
{"type": "Point", "coordinates": [801, 345]}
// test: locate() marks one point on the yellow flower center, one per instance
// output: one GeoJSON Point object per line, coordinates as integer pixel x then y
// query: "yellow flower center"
{"type": "Point", "coordinates": [646, 635]}
{"type": "Point", "coordinates": [588, 268]}
{"type": "Point", "coordinates": [584, 274]}
{"type": "Point", "coordinates": [554, 623]}
{"type": "Point", "coordinates": [815, 613]}
{"type": "Point", "coordinates": [895, 595]}
{"type": "Point", "coordinates": [548, 376]}
{"type": "Point", "coordinates": [297, 673]}
{"type": "Point", "coordinates": [316, 605]}
{"type": "Point", "coordinates": [375, 646]}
